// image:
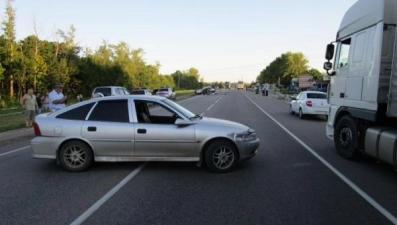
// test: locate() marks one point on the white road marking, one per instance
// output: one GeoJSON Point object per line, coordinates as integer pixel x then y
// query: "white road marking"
{"type": "Point", "coordinates": [16, 150]}
{"type": "Point", "coordinates": [370, 200]}
{"type": "Point", "coordinates": [202, 114]}
{"type": "Point", "coordinates": [210, 107]}
{"type": "Point", "coordinates": [219, 99]}
{"type": "Point", "coordinates": [107, 196]}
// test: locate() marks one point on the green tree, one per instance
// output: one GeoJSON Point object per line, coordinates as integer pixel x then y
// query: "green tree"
{"type": "Point", "coordinates": [10, 45]}
{"type": "Point", "coordinates": [317, 75]}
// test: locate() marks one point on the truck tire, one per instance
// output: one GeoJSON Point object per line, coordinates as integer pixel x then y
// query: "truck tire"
{"type": "Point", "coordinates": [345, 137]}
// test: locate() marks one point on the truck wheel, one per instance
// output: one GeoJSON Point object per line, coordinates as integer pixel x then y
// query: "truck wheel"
{"type": "Point", "coordinates": [345, 137]}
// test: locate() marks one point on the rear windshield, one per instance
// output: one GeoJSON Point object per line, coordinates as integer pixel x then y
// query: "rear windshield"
{"type": "Point", "coordinates": [138, 92]}
{"type": "Point", "coordinates": [104, 91]}
{"type": "Point", "coordinates": [163, 89]}
{"type": "Point", "coordinates": [315, 95]}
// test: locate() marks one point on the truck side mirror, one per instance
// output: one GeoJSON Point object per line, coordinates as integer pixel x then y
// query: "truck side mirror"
{"type": "Point", "coordinates": [327, 66]}
{"type": "Point", "coordinates": [329, 54]}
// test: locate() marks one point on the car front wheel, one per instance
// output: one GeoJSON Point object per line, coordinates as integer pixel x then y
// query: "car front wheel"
{"type": "Point", "coordinates": [221, 156]}
{"type": "Point", "coordinates": [301, 115]}
{"type": "Point", "coordinates": [75, 156]}
{"type": "Point", "coordinates": [290, 110]}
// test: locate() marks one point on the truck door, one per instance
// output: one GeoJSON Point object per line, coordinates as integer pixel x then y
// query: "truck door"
{"type": "Point", "coordinates": [338, 87]}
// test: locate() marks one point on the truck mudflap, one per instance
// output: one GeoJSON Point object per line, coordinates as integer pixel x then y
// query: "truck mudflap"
{"type": "Point", "coordinates": [381, 143]}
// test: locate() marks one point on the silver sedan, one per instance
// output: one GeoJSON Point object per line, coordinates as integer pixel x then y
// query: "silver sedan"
{"type": "Point", "coordinates": [139, 128]}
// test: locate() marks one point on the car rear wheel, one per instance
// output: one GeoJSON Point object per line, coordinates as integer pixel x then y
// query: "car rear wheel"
{"type": "Point", "coordinates": [221, 156]}
{"type": "Point", "coordinates": [301, 115]}
{"type": "Point", "coordinates": [290, 110]}
{"type": "Point", "coordinates": [75, 156]}
{"type": "Point", "coordinates": [345, 137]}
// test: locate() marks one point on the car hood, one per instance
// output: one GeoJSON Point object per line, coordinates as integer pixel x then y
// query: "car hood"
{"type": "Point", "coordinates": [220, 122]}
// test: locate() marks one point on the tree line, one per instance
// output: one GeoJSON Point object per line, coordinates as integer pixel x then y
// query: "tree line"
{"type": "Point", "coordinates": [285, 67]}
{"type": "Point", "coordinates": [37, 63]}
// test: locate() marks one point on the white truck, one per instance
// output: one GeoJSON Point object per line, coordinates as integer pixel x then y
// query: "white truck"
{"type": "Point", "coordinates": [363, 88]}
{"type": "Point", "coordinates": [240, 85]}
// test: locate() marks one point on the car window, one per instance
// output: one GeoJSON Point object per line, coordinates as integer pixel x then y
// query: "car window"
{"type": "Point", "coordinates": [79, 113]}
{"type": "Point", "coordinates": [153, 112]}
{"type": "Point", "coordinates": [111, 111]}
{"type": "Point", "coordinates": [138, 92]}
{"type": "Point", "coordinates": [126, 91]}
{"type": "Point", "coordinates": [104, 91]}
{"type": "Point", "coordinates": [298, 97]}
{"type": "Point", "coordinates": [302, 96]}
{"type": "Point", "coordinates": [159, 110]}
{"type": "Point", "coordinates": [163, 89]}
{"type": "Point", "coordinates": [119, 91]}
{"type": "Point", "coordinates": [316, 95]}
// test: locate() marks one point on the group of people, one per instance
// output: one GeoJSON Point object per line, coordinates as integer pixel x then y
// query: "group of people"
{"type": "Point", "coordinates": [49, 102]}
{"type": "Point", "coordinates": [262, 88]}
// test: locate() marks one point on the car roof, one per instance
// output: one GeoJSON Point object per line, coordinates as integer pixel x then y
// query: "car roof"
{"type": "Point", "coordinates": [110, 87]}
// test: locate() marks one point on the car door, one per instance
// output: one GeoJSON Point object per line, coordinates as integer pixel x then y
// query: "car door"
{"type": "Point", "coordinates": [159, 136]}
{"type": "Point", "coordinates": [109, 129]}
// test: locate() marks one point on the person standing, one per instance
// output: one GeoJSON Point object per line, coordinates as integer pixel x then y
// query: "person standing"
{"type": "Point", "coordinates": [46, 102]}
{"type": "Point", "coordinates": [39, 103]}
{"type": "Point", "coordinates": [56, 98]}
{"type": "Point", "coordinates": [29, 103]}
{"type": "Point", "coordinates": [79, 98]}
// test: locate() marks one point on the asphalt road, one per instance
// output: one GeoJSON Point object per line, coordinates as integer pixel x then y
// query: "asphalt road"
{"type": "Point", "coordinates": [296, 178]}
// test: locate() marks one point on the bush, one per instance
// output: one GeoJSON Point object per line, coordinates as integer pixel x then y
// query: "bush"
{"type": "Point", "coordinates": [7, 102]}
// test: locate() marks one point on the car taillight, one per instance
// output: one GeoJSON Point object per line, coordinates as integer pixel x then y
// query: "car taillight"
{"type": "Point", "coordinates": [36, 129]}
{"type": "Point", "coordinates": [309, 103]}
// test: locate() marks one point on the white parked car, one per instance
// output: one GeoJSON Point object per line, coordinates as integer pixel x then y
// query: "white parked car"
{"type": "Point", "coordinates": [309, 103]}
{"type": "Point", "coordinates": [109, 91]}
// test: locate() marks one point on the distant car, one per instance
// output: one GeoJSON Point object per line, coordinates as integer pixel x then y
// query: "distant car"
{"type": "Point", "coordinates": [166, 92]}
{"type": "Point", "coordinates": [205, 91]}
{"type": "Point", "coordinates": [141, 92]}
{"type": "Point", "coordinates": [139, 128]}
{"type": "Point", "coordinates": [155, 91]}
{"type": "Point", "coordinates": [109, 91]}
{"type": "Point", "coordinates": [310, 103]}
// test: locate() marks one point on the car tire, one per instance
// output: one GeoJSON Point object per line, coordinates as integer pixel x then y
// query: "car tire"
{"type": "Point", "coordinates": [345, 137]}
{"type": "Point", "coordinates": [221, 156]}
{"type": "Point", "coordinates": [301, 115]}
{"type": "Point", "coordinates": [76, 156]}
{"type": "Point", "coordinates": [290, 110]}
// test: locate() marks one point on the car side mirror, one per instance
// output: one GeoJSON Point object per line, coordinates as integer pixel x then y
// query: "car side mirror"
{"type": "Point", "coordinates": [182, 122]}
{"type": "Point", "coordinates": [293, 98]}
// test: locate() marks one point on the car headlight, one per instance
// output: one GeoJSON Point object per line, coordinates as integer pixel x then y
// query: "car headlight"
{"type": "Point", "coordinates": [245, 136]}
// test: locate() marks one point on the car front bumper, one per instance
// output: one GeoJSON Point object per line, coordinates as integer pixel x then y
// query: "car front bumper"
{"type": "Point", "coordinates": [248, 149]}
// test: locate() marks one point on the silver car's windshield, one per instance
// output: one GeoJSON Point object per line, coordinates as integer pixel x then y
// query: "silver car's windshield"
{"type": "Point", "coordinates": [179, 108]}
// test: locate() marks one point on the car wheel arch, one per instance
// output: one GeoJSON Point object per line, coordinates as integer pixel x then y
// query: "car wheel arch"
{"type": "Point", "coordinates": [212, 140]}
{"type": "Point", "coordinates": [73, 139]}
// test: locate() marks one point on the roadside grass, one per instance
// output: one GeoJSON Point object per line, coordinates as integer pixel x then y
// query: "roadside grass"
{"type": "Point", "coordinates": [12, 121]}
{"type": "Point", "coordinates": [183, 92]}
{"type": "Point", "coordinates": [11, 110]}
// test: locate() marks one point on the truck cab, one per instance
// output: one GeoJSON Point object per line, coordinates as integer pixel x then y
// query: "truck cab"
{"type": "Point", "coordinates": [363, 86]}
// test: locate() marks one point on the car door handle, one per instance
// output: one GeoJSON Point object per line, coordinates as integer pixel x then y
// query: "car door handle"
{"type": "Point", "coordinates": [91, 128]}
{"type": "Point", "coordinates": [141, 131]}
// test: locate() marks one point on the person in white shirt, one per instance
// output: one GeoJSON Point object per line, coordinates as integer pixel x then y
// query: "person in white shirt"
{"type": "Point", "coordinates": [57, 99]}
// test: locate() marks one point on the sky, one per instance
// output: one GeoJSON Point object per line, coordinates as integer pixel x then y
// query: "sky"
{"type": "Point", "coordinates": [226, 40]}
